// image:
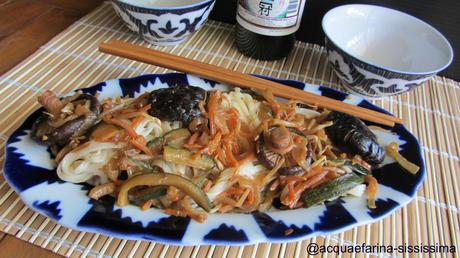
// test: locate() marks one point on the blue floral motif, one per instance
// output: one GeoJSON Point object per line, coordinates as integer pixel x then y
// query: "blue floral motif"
{"type": "Point", "coordinates": [168, 29]}
{"type": "Point", "coordinates": [369, 80]}
{"type": "Point", "coordinates": [163, 25]}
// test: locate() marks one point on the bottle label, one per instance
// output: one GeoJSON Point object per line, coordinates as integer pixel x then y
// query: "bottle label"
{"type": "Point", "coordinates": [270, 17]}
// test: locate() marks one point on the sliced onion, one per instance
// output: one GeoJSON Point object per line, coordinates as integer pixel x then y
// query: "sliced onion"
{"type": "Point", "coordinates": [392, 150]}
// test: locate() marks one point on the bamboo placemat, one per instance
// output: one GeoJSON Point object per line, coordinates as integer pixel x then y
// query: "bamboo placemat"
{"type": "Point", "coordinates": [71, 61]}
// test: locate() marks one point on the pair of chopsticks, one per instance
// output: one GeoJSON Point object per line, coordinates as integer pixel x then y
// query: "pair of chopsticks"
{"type": "Point", "coordinates": [150, 56]}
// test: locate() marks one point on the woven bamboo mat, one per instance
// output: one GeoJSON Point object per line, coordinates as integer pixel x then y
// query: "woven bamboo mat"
{"type": "Point", "coordinates": [71, 61]}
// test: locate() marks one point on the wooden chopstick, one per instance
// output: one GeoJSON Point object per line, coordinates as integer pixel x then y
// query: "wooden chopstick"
{"type": "Point", "coordinates": [150, 56]}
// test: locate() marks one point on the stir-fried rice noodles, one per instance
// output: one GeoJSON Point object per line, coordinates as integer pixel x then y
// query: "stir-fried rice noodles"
{"type": "Point", "coordinates": [243, 152]}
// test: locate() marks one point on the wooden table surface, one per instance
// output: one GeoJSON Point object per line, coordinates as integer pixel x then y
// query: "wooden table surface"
{"type": "Point", "coordinates": [25, 25]}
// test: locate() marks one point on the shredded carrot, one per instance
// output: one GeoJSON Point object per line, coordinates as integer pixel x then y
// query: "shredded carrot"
{"type": "Point", "coordinates": [288, 113]}
{"type": "Point", "coordinates": [219, 154]}
{"type": "Point", "coordinates": [320, 182]}
{"type": "Point", "coordinates": [275, 185]}
{"type": "Point", "coordinates": [225, 208]}
{"type": "Point", "coordinates": [129, 130]}
{"type": "Point", "coordinates": [192, 139]}
{"type": "Point", "coordinates": [147, 204]}
{"type": "Point", "coordinates": [232, 120]}
{"type": "Point", "coordinates": [230, 158]}
{"type": "Point", "coordinates": [140, 145]}
{"type": "Point", "coordinates": [250, 198]}
{"type": "Point", "coordinates": [307, 184]}
{"type": "Point", "coordinates": [243, 198]}
{"type": "Point", "coordinates": [207, 185]}
{"type": "Point", "coordinates": [136, 140]}
{"type": "Point", "coordinates": [294, 178]}
{"type": "Point", "coordinates": [371, 191]}
{"type": "Point", "coordinates": [176, 213]}
{"type": "Point", "coordinates": [196, 215]}
{"type": "Point", "coordinates": [256, 192]}
{"type": "Point", "coordinates": [225, 152]}
{"type": "Point", "coordinates": [145, 108]}
{"type": "Point", "coordinates": [172, 193]}
{"type": "Point", "coordinates": [212, 108]}
{"type": "Point", "coordinates": [248, 156]}
{"type": "Point", "coordinates": [211, 148]}
{"type": "Point", "coordinates": [136, 121]}
{"type": "Point", "coordinates": [192, 146]}
{"type": "Point", "coordinates": [313, 180]}
{"type": "Point", "coordinates": [268, 95]}
{"type": "Point", "coordinates": [234, 191]}
{"type": "Point", "coordinates": [226, 200]}
{"type": "Point", "coordinates": [298, 204]}
{"type": "Point", "coordinates": [298, 139]}
{"type": "Point", "coordinates": [128, 110]}
{"type": "Point", "coordinates": [290, 186]}
{"type": "Point", "coordinates": [314, 171]}
{"type": "Point", "coordinates": [214, 143]}
{"type": "Point", "coordinates": [296, 192]}
{"type": "Point", "coordinates": [332, 174]}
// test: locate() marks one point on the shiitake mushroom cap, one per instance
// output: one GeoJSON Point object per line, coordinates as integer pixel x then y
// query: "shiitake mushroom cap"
{"type": "Point", "coordinates": [177, 103]}
{"type": "Point", "coordinates": [351, 135]}
{"type": "Point", "coordinates": [46, 134]}
{"type": "Point", "coordinates": [268, 158]}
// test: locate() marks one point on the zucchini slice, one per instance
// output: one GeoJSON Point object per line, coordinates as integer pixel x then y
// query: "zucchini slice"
{"type": "Point", "coordinates": [184, 157]}
{"type": "Point", "coordinates": [144, 195]}
{"type": "Point", "coordinates": [177, 137]}
{"type": "Point", "coordinates": [331, 189]}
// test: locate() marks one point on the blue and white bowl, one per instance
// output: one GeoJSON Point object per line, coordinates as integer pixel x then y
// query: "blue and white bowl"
{"type": "Point", "coordinates": [378, 52]}
{"type": "Point", "coordinates": [163, 22]}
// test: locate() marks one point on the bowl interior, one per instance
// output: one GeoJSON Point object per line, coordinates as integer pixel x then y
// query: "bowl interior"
{"type": "Point", "coordinates": [387, 38]}
{"type": "Point", "coordinates": [163, 3]}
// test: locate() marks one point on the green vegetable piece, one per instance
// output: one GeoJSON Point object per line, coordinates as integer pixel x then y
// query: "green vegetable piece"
{"type": "Point", "coordinates": [357, 168]}
{"type": "Point", "coordinates": [149, 193]}
{"type": "Point", "coordinates": [164, 179]}
{"type": "Point", "coordinates": [177, 137]}
{"type": "Point", "coordinates": [156, 145]}
{"type": "Point", "coordinates": [330, 189]}
{"type": "Point", "coordinates": [144, 166]}
{"type": "Point", "coordinates": [184, 157]}
{"type": "Point", "coordinates": [199, 180]}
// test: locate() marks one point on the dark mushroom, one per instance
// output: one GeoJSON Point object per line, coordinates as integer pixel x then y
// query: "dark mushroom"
{"type": "Point", "coordinates": [281, 139]}
{"type": "Point", "coordinates": [351, 135]}
{"type": "Point", "coordinates": [49, 131]}
{"type": "Point", "coordinates": [278, 137]}
{"type": "Point", "coordinates": [198, 124]}
{"type": "Point", "coordinates": [178, 103]}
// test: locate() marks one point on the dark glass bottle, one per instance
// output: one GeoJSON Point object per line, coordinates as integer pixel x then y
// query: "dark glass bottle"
{"type": "Point", "coordinates": [263, 47]}
{"type": "Point", "coordinates": [266, 29]}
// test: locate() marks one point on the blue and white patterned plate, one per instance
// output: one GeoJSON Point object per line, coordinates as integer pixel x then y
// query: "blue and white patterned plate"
{"type": "Point", "coordinates": [30, 172]}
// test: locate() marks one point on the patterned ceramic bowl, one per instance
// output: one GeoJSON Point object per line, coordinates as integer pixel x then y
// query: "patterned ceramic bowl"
{"type": "Point", "coordinates": [163, 22]}
{"type": "Point", "coordinates": [379, 52]}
